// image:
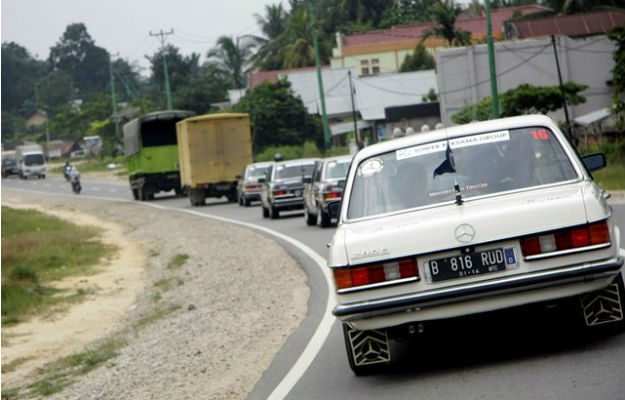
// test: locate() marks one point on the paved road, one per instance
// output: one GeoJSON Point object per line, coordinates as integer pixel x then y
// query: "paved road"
{"type": "Point", "coordinates": [525, 357]}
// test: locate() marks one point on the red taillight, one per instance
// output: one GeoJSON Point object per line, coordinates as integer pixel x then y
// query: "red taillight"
{"type": "Point", "coordinates": [252, 187]}
{"type": "Point", "coordinates": [566, 239]}
{"type": "Point", "coordinates": [280, 192]}
{"type": "Point", "coordinates": [332, 195]}
{"type": "Point", "coordinates": [375, 273]}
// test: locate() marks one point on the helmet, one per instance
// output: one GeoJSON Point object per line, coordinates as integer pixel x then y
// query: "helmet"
{"type": "Point", "coordinates": [277, 157]}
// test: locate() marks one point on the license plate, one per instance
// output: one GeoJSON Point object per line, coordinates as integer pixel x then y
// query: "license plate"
{"type": "Point", "coordinates": [477, 263]}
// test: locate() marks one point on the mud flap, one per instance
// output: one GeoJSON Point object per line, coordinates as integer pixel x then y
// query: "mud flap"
{"type": "Point", "coordinates": [369, 347]}
{"type": "Point", "coordinates": [604, 306]}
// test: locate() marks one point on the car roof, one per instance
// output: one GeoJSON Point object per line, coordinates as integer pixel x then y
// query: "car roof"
{"type": "Point", "coordinates": [261, 164]}
{"type": "Point", "coordinates": [453, 132]}
{"type": "Point", "coordinates": [298, 161]}
{"type": "Point", "coordinates": [338, 158]}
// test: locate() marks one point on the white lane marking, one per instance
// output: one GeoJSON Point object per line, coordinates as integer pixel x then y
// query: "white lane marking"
{"type": "Point", "coordinates": [113, 190]}
{"type": "Point", "coordinates": [323, 329]}
{"type": "Point", "coordinates": [47, 184]}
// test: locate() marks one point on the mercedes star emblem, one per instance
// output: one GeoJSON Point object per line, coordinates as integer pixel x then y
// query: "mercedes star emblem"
{"type": "Point", "coordinates": [464, 233]}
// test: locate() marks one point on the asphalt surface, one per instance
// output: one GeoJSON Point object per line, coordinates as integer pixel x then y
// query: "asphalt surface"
{"type": "Point", "coordinates": [528, 354]}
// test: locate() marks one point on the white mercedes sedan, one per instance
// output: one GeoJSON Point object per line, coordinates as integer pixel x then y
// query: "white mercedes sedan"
{"type": "Point", "coordinates": [466, 220]}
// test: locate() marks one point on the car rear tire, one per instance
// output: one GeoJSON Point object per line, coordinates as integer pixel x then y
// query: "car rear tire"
{"type": "Point", "coordinates": [367, 351]}
{"type": "Point", "coordinates": [324, 219]}
{"type": "Point", "coordinates": [603, 310]}
{"type": "Point", "coordinates": [135, 194]}
{"type": "Point", "coordinates": [311, 219]}
{"type": "Point", "coordinates": [265, 212]}
{"type": "Point", "coordinates": [274, 213]}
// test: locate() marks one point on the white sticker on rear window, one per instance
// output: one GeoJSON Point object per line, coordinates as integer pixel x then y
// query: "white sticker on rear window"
{"type": "Point", "coordinates": [502, 136]}
{"type": "Point", "coordinates": [370, 167]}
{"type": "Point", "coordinates": [420, 150]}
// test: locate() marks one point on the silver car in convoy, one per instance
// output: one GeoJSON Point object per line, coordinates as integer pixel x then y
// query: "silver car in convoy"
{"type": "Point", "coordinates": [471, 219]}
{"type": "Point", "coordinates": [249, 188]}
{"type": "Point", "coordinates": [283, 186]}
{"type": "Point", "coordinates": [324, 188]}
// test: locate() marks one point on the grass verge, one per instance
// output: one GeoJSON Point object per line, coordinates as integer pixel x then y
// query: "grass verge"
{"type": "Point", "coordinates": [36, 250]}
{"type": "Point", "coordinates": [177, 261]}
{"type": "Point", "coordinates": [154, 315]}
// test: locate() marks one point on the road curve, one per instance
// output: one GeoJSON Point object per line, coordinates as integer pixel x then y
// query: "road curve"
{"type": "Point", "coordinates": [489, 358]}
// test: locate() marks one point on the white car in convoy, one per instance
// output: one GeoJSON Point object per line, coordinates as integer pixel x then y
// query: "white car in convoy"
{"type": "Point", "coordinates": [470, 219]}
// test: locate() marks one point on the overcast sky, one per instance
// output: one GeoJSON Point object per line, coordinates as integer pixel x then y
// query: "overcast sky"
{"type": "Point", "coordinates": [123, 26]}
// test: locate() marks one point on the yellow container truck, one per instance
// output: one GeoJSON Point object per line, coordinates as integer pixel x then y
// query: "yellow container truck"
{"type": "Point", "coordinates": [213, 149]}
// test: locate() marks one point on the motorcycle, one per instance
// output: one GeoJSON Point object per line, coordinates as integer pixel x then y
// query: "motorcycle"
{"type": "Point", "coordinates": [76, 187]}
{"type": "Point", "coordinates": [67, 172]}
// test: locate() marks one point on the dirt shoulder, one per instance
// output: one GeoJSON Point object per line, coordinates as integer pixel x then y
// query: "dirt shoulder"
{"type": "Point", "coordinates": [236, 299]}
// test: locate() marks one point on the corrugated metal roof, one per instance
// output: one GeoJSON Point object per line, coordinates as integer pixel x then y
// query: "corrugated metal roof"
{"type": "Point", "coordinates": [475, 25]}
{"type": "Point", "coordinates": [582, 24]}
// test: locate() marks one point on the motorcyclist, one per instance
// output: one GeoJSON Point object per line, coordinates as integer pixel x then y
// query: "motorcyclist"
{"type": "Point", "coordinates": [67, 169]}
{"type": "Point", "coordinates": [75, 179]}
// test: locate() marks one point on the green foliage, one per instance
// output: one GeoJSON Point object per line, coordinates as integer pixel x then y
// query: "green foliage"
{"type": "Point", "coordinates": [525, 99]}
{"type": "Point", "coordinates": [37, 249]}
{"type": "Point", "coordinates": [444, 14]}
{"type": "Point", "coordinates": [618, 72]}
{"type": "Point", "coordinates": [77, 55]}
{"type": "Point", "coordinates": [404, 12]}
{"type": "Point", "coordinates": [612, 177]}
{"type": "Point", "coordinates": [420, 60]}
{"type": "Point", "coordinates": [230, 56]}
{"type": "Point", "coordinates": [177, 261]}
{"type": "Point", "coordinates": [431, 96]}
{"type": "Point", "coordinates": [20, 71]}
{"type": "Point", "coordinates": [55, 89]}
{"type": "Point", "coordinates": [277, 117]}
{"type": "Point", "coordinates": [307, 150]}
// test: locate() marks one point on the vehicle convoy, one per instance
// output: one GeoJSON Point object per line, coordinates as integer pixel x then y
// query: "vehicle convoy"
{"type": "Point", "coordinates": [471, 219]}
{"type": "Point", "coordinates": [324, 188]}
{"type": "Point", "coordinates": [213, 149]}
{"type": "Point", "coordinates": [283, 186]}
{"type": "Point", "coordinates": [30, 161]}
{"type": "Point", "coordinates": [151, 146]}
{"type": "Point", "coordinates": [248, 188]}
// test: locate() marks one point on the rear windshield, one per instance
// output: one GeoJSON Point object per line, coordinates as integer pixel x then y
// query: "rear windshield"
{"type": "Point", "coordinates": [337, 169]}
{"type": "Point", "coordinates": [292, 171]}
{"type": "Point", "coordinates": [255, 172]}
{"type": "Point", "coordinates": [33, 159]}
{"type": "Point", "coordinates": [159, 132]}
{"type": "Point", "coordinates": [478, 164]}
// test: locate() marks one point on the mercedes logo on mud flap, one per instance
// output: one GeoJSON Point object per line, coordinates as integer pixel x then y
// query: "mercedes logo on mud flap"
{"type": "Point", "coordinates": [464, 233]}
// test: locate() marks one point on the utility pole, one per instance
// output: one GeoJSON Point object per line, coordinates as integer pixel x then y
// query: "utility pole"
{"type": "Point", "coordinates": [491, 61]}
{"type": "Point", "coordinates": [114, 99]}
{"type": "Point", "coordinates": [167, 89]}
{"type": "Point", "coordinates": [569, 128]}
{"type": "Point", "coordinates": [324, 116]}
{"type": "Point", "coordinates": [351, 92]}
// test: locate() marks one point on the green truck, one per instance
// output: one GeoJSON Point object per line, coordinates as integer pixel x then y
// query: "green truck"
{"type": "Point", "coordinates": [151, 145]}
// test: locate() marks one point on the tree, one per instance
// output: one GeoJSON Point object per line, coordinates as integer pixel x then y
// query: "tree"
{"type": "Point", "coordinates": [179, 68]}
{"type": "Point", "coordinates": [231, 57]}
{"type": "Point", "coordinates": [272, 25]}
{"type": "Point", "coordinates": [618, 72]}
{"type": "Point", "coordinates": [296, 43]}
{"type": "Point", "coordinates": [404, 12]}
{"type": "Point", "coordinates": [420, 60]}
{"type": "Point", "coordinates": [445, 13]}
{"type": "Point", "coordinates": [361, 11]}
{"type": "Point", "coordinates": [20, 71]}
{"type": "Point", "coordinates": [86, 63]}
{"type": "Point", "coordinates": [277, 117]}
{"type": "Point", "coordinates": [197, 94]}
{"type": "Point", "coordinates": [54, 89]}
{"type": "Point", "coordinates": [524, 99]}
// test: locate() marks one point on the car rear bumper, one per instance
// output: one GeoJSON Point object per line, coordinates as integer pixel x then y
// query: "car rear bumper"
{"type": "Point", "coordinates": [517, 290]}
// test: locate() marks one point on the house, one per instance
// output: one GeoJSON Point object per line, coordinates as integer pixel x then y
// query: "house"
{"type": "Point", "coordinates": [383, 51]}
{"type": "Point", "coordinates": [576, 25]}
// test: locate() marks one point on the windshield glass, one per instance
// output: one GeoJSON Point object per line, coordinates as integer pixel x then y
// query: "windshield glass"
{"type": "Point", "coordinates": [479, 164]}
{"type": "Point", "coordinates": [337, 169]}
{"type": "Point", "coordinates": [33, 159]}
{"type": "Point", "coordinates": [255, 172]}
{"type": "Point", "coordinates": [291, 171]}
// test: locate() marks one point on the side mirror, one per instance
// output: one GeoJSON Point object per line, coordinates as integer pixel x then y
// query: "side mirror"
{"type": "Point", "coordinates": [238, 176]}
{"type": "Point", "coordinates": [261, 180]}
{"type": "Point", "coordinates": [307, 179]}
{"type": "Point", "coordinates": [595, 161]}
{"type": "Point", "coordinates": [334, 209]}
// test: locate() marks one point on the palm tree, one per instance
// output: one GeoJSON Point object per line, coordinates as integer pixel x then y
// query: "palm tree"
{"type": "Point", "coordinates": [361, 11]}
{"type": "Point", "coordinates": [296, 43]}
{"type": "Point", "coordinates": [445, 13]}
{"type": "Point", "coordinates": [231, 57]}
{"type": "Point", "coordinates": [272, 25]}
